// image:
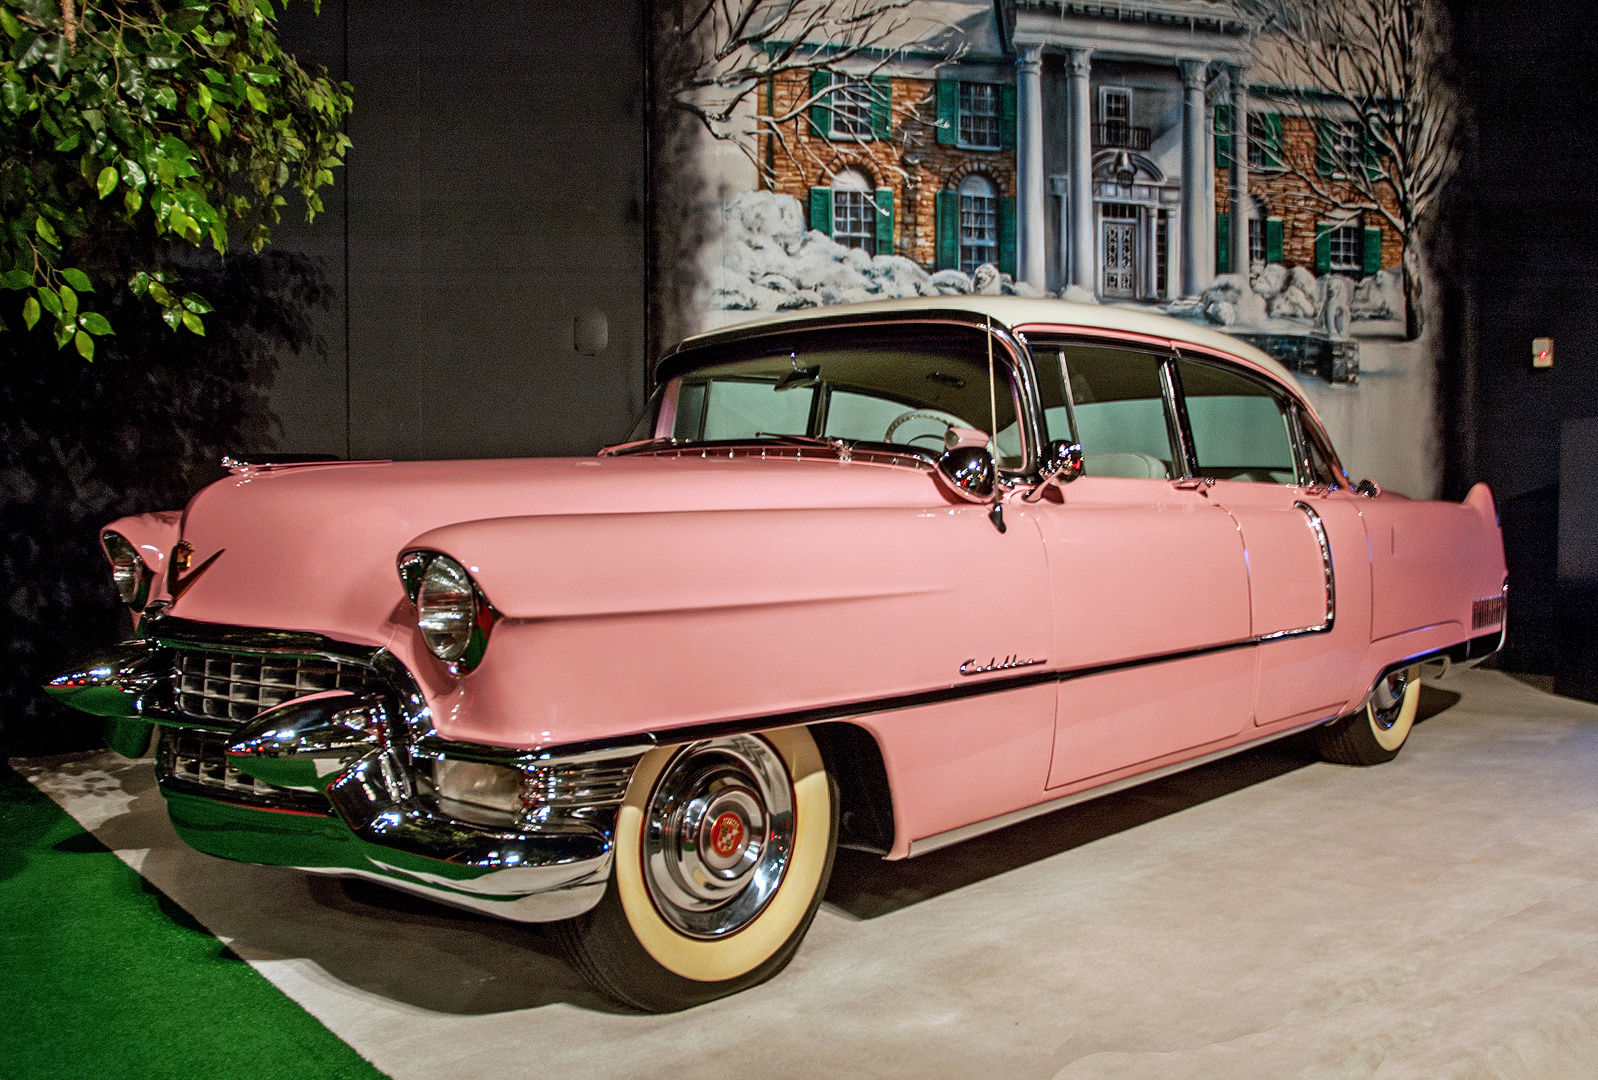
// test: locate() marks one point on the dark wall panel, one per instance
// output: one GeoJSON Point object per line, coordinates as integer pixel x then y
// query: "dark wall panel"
{"type": "Point", "coordinates": [494, 192]}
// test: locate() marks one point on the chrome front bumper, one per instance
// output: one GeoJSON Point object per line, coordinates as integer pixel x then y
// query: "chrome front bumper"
{"type": "Point", "coordinates": [339, 781]}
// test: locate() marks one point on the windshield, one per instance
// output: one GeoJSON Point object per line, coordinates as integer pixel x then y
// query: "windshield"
{"type": "Point", "coordinates": [899, 385]}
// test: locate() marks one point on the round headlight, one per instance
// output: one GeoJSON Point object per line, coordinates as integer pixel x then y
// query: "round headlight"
{"type": "Point", "coordinates": [128, 572]}
{"type": "Point", "coordinates": [446, 608]}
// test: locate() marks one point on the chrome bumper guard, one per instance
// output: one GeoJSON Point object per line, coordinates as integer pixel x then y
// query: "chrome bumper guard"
{"type": "Point", "coordinates": [344, 781]}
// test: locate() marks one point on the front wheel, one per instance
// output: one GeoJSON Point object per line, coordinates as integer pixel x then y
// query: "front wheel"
{"type": "Point", "coordinates": [723, 851]}
{"type": "Point", "coordinates": [1377, 732]}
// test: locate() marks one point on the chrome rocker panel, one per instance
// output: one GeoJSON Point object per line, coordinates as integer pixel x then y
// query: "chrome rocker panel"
{"type": "Point", "coordinates": [358, 753]}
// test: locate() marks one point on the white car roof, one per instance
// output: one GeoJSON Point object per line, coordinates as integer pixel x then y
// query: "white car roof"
{"type": "Point", "coordinates": [1012, 311]}
{"type": "Point", "coordinates": [1018, 310]}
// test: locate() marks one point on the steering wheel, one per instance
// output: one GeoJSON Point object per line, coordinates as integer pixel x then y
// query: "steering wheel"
{"type": "Point", "coordinates": [948, 420]}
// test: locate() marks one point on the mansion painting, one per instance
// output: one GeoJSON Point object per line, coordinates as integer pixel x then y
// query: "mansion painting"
{"type": "Point", "coordinates": [1095, 151]}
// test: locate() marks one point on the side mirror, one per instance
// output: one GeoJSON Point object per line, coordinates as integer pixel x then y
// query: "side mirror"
{"type": "Point", "coordinates": [1062, 463]}
{"type": "Point", "coordinates": [968, 473]}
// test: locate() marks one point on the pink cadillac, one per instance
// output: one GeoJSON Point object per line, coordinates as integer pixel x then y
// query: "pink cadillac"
{"type": "Point", "coordinates": [888, 576]}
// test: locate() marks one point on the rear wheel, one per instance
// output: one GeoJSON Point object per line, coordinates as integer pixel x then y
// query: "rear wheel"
{"type": "Point", "coordinates": [1377, 732]}
{"type": "Point", "coordinates": [723, 851]}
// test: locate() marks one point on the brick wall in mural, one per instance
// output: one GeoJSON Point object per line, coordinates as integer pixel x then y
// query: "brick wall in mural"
{"type": "Point", "coordinates": [1201, 158]}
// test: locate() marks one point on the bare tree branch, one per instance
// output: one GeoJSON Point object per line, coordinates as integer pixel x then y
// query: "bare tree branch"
{"type": "Point", "coordinates": [714, 62]}
{"type": "Point", "coordinates": [1378, 65]}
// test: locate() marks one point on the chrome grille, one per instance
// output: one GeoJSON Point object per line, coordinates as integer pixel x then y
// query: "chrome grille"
{"type": "Point", "coordinates": [234, 688]}
{"type": "Point", "coordinates": [598, 783]}
{"type": "Point", "coordinates": [198, 759]}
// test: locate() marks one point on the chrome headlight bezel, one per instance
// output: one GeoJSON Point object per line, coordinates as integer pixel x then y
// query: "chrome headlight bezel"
{"type": "Point", "coordinates": [473, 616]}
{"type": "Point", "coordinates": [130, 574]}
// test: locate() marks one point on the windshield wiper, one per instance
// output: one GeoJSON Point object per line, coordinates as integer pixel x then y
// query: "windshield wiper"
{"type": "Point", "coordinates": [639, 446]}
{"type": "Point", "coordinates": [843, 447]}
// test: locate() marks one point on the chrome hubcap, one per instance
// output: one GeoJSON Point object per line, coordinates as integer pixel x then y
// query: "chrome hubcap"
{"type": "Point", "coordinates": [1388, 701]}
{"type": "Point", "coordinates": [718, 835]}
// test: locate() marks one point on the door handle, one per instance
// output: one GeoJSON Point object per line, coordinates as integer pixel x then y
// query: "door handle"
{"type": "Point", "coordinates": [1194, 483]}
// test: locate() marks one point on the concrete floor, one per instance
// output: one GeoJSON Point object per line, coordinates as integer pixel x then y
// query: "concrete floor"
{"type": "Point", "coordinates": [1266, 916]}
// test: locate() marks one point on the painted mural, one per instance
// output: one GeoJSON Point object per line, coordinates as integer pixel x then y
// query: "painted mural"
{"type": "Point", "coordinates": [1266, 167]}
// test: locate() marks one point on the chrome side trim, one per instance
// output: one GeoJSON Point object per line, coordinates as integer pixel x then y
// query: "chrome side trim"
{"type": "Point", "coordinates": [1326, 624]}
{"type": "Point", "coordinates": [1014, 817]}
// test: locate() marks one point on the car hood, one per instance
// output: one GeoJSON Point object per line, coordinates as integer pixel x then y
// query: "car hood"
{"type": "Point", "coordinates": [313, 547]}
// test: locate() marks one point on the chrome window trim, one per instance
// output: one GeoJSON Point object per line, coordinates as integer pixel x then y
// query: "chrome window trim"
{"type": "Point", "coordinates": [1326, 624]}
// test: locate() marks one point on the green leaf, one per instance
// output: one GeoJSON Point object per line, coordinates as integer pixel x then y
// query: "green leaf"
{"type": "Point", "coordinates": [181, 22]}
{"type": "Point", "coordinates": [256, 98]}
{"type": "Point", "coordinates": [30, 312]}
{"type": "Point", "coordinates": [197, 304]}
{"type": "Point", "coordinates": [107, 182]}
{"type": "Point", "coordinates": [133, 201]}
{"type": "Point", "coordinates": [139, 283]}
{"type": "Point", "coordinates": [69, 301]}
{"type": "Point", "coordinates": [133, 174]}
{"type": "Point", "coordinates": [159, 294]}
{"type": "Point", "coordinates": [9, 23]}
{"type": "Point", "coordinates": [45, 231]}
{"type": "Point", "coordinates": [49, 301]}
{"type": "Point", "coordinates": [16, 280]}
{"type": "Point", "coordinates": [69, 144]}
{"type": "Point", "coordinates": [85, 345]}
{"type": "Point", "coordinates": [172, 317]}
{"type": "Point", "coordinates": [202, 93]}
{"type": "Point", "coordinates": [95, 323]}
{"type": "Point", "coordinates": [78, 279]}
{"type": "Point", "coordinates": [193, 323]}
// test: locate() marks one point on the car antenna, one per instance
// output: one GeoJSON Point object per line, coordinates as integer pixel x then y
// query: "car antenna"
{"type": "Point", "coordinates": [995, 515]}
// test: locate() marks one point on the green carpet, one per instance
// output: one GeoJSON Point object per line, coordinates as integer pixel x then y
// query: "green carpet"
{"type": "Point", "coordinates": [103, 976]}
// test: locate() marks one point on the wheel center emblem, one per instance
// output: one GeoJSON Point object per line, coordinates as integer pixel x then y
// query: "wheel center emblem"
{"type": "Point", "coordinates": [727, 835]}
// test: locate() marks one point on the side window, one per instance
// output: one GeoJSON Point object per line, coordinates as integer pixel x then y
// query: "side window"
{"type": "Point", "coordinates": [1241, 428]}
{"type": "Point", "coordinates": [1120, 412]}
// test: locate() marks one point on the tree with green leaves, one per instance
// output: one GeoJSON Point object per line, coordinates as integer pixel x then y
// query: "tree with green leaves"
{"type": "Point", "coordinates": [129, 128]}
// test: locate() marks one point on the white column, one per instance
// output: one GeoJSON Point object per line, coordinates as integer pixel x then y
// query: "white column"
{"type": "Point", "coordinates": [1242, 204]}
{"type": "Point", "coordinates": [1080, 143]}
{"type": "Point", "coordinates": [1196, 276]}
{"type": "Point", "coordinates": [1031, 255]}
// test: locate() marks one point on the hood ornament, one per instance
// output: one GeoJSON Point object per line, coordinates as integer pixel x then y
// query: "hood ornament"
{"type": "Point", "coordinates": [177, 583]}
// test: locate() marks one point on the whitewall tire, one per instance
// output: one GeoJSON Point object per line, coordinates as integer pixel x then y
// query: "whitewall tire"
{"type": "Point", "coordinates": [1377, 732]}
{"type": "Point", "coordinates": [723, 851]}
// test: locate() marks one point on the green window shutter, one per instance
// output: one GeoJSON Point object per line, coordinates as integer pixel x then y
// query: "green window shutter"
{"type": "Point", "coordinates": [1373, 164]}
{"type": "Point", "coordinates": [1273, 240]}
{"type": "Point", "coordinates": [884, 221]}
{"type": "Point", "coordinates": [881, 106]}
{"type": "Point", "coordinates": [948, 112]}
{"type": "Point", "coordinates": [1373, 251]}
{"type": "Point", "coordinates": [1272, 149]}
{"type": "Point", "coordinates": [821, 209]}
{"type": "Point", "coordinates": [1223, 243]}
{"type": "Point", "coordinates": [1323, 249]}
{"type": "Point", "coordinates": [821, 110]}
{"type": "Point", "coordinates": [1223, 136]}
{"type": "Point", "coordinates": [1007, 235]}
{"type": "Point", "coordinates": [946, 205]}
{"type": "Point", "coordinates": [1007, 116]}
{"type": "Point", "coordinates": [1323, 147]}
